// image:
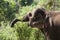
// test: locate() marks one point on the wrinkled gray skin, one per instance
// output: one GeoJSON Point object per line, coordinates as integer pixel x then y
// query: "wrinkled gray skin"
{"type": "Point", "coordinates": [47, 22]}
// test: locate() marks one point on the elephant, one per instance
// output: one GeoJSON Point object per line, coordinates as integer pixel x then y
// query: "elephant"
{"type": "Point", "coordinates": [47, 21]}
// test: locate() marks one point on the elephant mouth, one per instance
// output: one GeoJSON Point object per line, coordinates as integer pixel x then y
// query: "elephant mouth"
{"type": "Point", "coordinates": [37, 25]}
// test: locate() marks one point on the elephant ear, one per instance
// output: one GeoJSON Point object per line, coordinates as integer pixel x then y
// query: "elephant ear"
{"type": "Point", "coordinates": [40, 11]}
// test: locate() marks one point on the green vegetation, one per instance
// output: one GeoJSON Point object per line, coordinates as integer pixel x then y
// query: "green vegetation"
{"type": "Point", "coordinates": [10, 9]}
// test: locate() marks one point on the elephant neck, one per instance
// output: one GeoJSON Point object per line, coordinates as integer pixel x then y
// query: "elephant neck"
{"type": "Point", "coordinates": [46, 30]}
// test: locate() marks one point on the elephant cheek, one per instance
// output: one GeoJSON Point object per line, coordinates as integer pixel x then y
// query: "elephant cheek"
{"type": "Point", "coordinates": [41, 26]}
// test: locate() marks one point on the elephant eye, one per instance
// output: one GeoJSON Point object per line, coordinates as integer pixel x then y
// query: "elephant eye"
{"type": "Point", "coordinates": [30, 14]}
{"type": "Point", "coordinates": [35, 19]}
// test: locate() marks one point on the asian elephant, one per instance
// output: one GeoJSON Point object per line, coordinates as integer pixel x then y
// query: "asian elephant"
{"type": "Point", "coordinates": [47, 21]}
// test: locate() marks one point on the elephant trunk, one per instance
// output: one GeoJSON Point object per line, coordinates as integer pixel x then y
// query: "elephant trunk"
{"type": "Point", "coordinates": [16, 20]}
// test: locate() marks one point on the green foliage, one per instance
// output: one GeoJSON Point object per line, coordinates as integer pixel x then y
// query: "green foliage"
{"type": "Point", "coordinates": [7, 10]}
{"type": "Point", "coordinates": [7, 34]}
{"type": "Point", "coordinates": [26, 2]}
{"type": "Point", "coordinates": [25, 32]}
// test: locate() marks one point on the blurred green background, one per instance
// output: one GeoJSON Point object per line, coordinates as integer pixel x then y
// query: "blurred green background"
{"type": "Point", "coordinates": [11, 9]}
